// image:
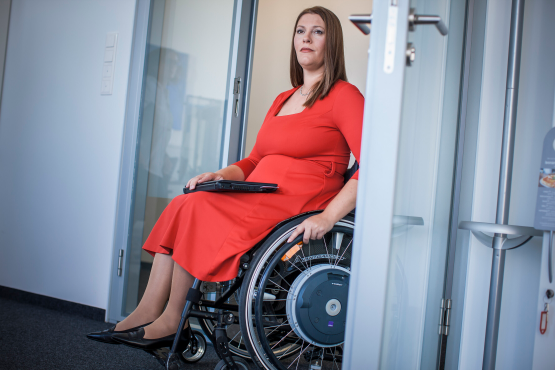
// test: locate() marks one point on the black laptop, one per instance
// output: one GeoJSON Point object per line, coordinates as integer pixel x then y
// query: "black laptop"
{"type": "Point", "coordinates": [233, 186]}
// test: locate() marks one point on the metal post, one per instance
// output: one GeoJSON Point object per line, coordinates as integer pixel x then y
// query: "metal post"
{"type": "Point", "coordinates": [505, 175]}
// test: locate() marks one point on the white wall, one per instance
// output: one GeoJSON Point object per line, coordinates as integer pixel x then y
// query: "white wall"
{"type": "Point", "coordinates": [518, 324]}
{"type": "Point", "coordinates": [60, 147]}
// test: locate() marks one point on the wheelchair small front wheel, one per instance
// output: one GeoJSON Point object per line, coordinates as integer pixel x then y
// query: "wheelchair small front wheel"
{"type": "Point", "coordinates": [241, 364]}
{"type": "Point", "coordinates": [196, 349]}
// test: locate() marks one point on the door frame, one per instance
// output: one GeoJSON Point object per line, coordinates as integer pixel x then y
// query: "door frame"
{"type": "Point", "coordinates": [240, 65]}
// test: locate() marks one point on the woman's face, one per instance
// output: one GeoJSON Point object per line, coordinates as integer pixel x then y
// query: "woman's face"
{"type": "Point", "coordinates": [310, 41]}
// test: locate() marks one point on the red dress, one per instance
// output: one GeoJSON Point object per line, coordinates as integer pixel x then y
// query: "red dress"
{"type": "Point", "coordinates": [306, 154]}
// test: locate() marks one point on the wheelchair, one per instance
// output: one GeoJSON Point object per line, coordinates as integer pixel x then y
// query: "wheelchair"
{"type": "Point", "coordinates": [286, 309]}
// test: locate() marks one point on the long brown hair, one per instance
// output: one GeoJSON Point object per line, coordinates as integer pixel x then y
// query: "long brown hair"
{"type": "Point", "coordinates": [334, 57]}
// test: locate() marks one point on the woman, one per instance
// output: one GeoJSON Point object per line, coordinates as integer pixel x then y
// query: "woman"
{"type": "Point", "coordinates": [304, 146]}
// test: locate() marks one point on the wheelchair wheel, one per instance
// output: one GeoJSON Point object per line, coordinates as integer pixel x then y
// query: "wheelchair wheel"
{"type": "Point", "coordinates": [236, 342]}
{"type": "Point", "coordinates": [196, 349]}
{"type": "Point", "coordinates": [294, 299]}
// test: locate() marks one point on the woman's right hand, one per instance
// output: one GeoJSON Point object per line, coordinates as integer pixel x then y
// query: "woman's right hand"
{"type": "Point", "coordinates": [203, 177]}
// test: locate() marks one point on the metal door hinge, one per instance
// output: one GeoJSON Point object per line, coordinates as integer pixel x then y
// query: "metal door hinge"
{"type": "Point", "coordinates": [120, 262]}
{"type": "Point", "coordinates": [236, 95]}
{"type": "Point", "coordinates": [444, 316]}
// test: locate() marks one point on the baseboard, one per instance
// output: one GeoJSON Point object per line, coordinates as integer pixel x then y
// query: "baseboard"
{"type": "Point", "coordinates": [93, 313]}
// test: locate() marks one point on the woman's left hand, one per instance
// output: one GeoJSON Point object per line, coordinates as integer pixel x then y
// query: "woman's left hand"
{"type": "Point", "coordinates": [314, 227]}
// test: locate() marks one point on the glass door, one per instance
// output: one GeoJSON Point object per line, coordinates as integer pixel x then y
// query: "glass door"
{"type": "Point", "coordinates": [405, 188]}
{"type": "Point", "coordinates": [190, 114]}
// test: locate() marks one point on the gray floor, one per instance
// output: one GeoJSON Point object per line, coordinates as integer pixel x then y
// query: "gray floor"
{"type": "Point", "coordinates": [33, 337]}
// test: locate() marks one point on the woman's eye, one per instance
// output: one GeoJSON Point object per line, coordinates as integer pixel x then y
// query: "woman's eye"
{"type": "Point", "coordinates": [299, 31]}
{"type": "Point", "coordinates": [319, 32]}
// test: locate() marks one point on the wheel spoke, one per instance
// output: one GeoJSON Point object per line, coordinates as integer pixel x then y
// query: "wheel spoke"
{"type": "Point", "coordinates": [283, 279]}
{"type": "Point", "coordinates": [235, 336]}
{"type": "Point", "coordinates": [295, 265]}
{"type": "Point", "coordinates": [281, 290]}
{"type": "Point", "coordinates": [327, 252]}
{"type": "Point", "coordinates": [283, 323]}
{"type": "Point", "coordinates": [298, 359]}
{"type": "Point", "coordinates": [310, 260]}
{"type": "Point", "coordinates": [285, 290]}
{"type": "Point", "coordinates": [304, 264]}
{"type": "Point", "coordinates": [289, 349]}
{"type": "Point", "coordinates": [339, 259]}
{"type": "Point", "coordinates": [334, 360]}
{"type": "Point", "coordinates": [282, 339]}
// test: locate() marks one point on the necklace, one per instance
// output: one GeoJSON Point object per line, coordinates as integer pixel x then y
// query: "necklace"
{"type": "Point", "coordinates": [301, 92]}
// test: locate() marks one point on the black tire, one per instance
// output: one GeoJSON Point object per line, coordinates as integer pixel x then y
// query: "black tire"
{"type": "Point", "coordinates": [264, 351]}
{"type": "Point", "coordinates": [191, 354]}
{"type": "Point", "coordinates": [241, 364]}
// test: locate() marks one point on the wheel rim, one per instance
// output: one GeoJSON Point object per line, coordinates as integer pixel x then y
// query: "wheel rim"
{"type": "Point", "coordinates": [193, 357]}
{"type": "Point", "coordinates": [257, 331]}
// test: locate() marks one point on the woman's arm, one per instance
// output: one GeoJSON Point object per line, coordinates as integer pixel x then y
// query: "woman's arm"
{"type": "Point", "coordinates": [316, 227]}
{"type": "Point", "coordinates": [231, 172]}
{"type": "Point", "coordinates": [348, 111]}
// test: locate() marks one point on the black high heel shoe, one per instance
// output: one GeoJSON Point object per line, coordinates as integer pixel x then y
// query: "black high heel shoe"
{"type": "Point", "coordinates": [105, 336]}
{"type": "Point", "coordinates": [136, 339]}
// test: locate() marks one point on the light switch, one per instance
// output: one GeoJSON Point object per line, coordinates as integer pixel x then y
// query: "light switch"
{"type": "Point", "coordinates": [108, 55]}
{"type": "Point", "coordinates": [110, 40]}
{"type": "Point", "coordinates": [107, 70]}
{"type": "Point", "coordinates": [108, 65]}
{"type": "Point", "coordinates": [106, 87]}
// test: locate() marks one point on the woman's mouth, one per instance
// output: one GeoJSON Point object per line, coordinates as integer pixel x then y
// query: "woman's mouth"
{"type": "Point", "coordinates": [306, 50]}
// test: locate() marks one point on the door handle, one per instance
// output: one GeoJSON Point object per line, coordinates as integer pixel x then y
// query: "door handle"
{"type": "Point", "coordinates": [415, 19]}
{"type": "Point", "coordinates": [361, 21]}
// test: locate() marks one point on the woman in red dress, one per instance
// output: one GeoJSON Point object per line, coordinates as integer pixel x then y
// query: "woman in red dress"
{"type": "Point", "coordinates": [303, 145]}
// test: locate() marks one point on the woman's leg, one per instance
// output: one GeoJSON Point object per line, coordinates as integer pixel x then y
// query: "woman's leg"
{"type": "Point", "coordinates": [155, 296]}
{"type": "Point", "coordinates": [167, 323]}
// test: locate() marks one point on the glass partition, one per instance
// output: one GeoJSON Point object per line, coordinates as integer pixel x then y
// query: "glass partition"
{"type": "Point", "coordinates": [182, 116]}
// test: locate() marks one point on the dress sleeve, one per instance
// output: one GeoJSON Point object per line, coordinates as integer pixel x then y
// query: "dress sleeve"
{"type": "Point", "coordinates": [248, 164]}
{"type": "Point", "coordinates": [348, 111]}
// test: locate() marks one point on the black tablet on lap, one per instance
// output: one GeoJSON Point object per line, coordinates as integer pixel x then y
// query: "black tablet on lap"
{"type": "Point", "coordinates": [233, 186]}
